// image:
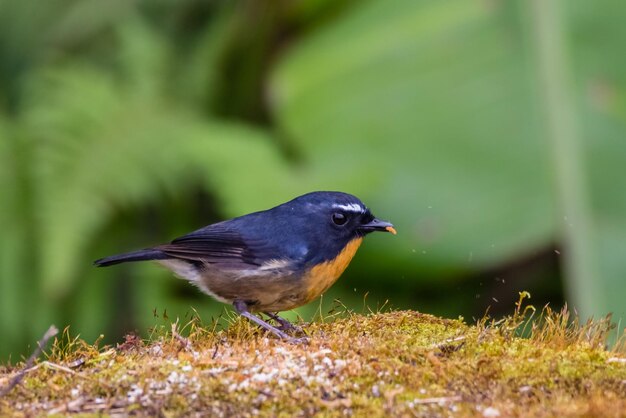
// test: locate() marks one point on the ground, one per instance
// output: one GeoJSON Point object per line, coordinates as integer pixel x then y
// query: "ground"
{"type": "Point", "coordinates": [400, 363]}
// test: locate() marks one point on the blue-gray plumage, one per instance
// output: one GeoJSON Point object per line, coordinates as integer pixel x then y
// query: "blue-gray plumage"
{"type": "Point", "coordinates": [273, 260]}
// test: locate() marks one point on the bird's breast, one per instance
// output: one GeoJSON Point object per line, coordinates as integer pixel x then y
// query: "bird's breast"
{"type": "Point", "coordinates": [322, 276]}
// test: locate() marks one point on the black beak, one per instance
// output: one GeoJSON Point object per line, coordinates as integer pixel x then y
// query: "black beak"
{"type": "Point", "coordinates": [378, 225]}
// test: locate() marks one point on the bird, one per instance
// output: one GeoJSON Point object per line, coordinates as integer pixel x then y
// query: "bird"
{"type": "Point", "coordinates": [272, 260]}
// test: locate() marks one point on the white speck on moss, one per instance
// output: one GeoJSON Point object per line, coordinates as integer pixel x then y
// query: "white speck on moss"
{"type": "Point", "coordinates": [175, 377]}
{"type": "Point", "coordinates": [215, 370]}
{"type": "Point", "coordinates": [265, 377]}
{"type": "Point", "coordinates": [281, 350]}
{"type": "Point", "coordinates": [491, 412]}
{"type": "Point", "coordinates": [134, 393]}
{"type": "Point", "coordinates": [156, 350]}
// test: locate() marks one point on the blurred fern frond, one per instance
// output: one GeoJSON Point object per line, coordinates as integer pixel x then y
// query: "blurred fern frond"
{"type": "Point", "coordinates": [89, 142]}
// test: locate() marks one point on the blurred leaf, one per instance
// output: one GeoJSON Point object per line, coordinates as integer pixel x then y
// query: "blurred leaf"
{"type": "Point", "coordinates": [597, 37]}
{"type": "Point", "coordinates": [197, 80]}
{"type": "Point", "coordinates": [11, 250]}
{"type": "Point", "coordinates": [371, 99]}
{"type": "Point", "coordinates": [87, 166]}
{"type": "Point", "coordinates": [440, 100]}
{"type": "Point", "coordinates": [81, 20]}
{"type": "Point", "coordinates": [143, 56]}
{"type": "Point", "coordinates": [32, 32]}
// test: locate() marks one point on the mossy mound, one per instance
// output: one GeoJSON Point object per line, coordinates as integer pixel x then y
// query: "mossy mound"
{"type": "Point", "coordinates": [400, 363]}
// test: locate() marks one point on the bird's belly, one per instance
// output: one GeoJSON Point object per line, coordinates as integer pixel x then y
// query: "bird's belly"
{"type": "Point", "coordinates": [191, 273]}
{"type": "Point", "coordinates": [270, 290]}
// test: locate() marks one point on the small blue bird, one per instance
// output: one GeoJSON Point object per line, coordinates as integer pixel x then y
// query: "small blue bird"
{"type": "Point", "coordinates": [269, 261]}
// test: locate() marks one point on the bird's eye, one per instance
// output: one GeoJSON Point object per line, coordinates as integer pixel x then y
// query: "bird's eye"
{"type": "Point", "coordinates": [339, 218]}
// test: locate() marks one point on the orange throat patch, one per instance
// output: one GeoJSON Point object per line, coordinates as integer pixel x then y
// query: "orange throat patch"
{"type": "Point", "coordinates": [322, 276]}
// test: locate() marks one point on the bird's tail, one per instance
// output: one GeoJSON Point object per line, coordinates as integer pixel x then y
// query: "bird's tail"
{"type": "Point", "coordinates": [141, 255]}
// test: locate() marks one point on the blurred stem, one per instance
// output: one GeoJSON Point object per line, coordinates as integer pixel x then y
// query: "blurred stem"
{"type": "Point", "coordinates": [583, 286]}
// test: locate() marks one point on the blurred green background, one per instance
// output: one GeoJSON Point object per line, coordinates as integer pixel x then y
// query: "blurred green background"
{"type": "Point", "coordinates": [491, 133]}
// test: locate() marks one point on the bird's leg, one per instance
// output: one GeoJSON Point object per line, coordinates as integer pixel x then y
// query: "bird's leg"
{"type": "Point", "coordinates": [242, 309]}
{"type": "Point", "coordinates": [284, 324]}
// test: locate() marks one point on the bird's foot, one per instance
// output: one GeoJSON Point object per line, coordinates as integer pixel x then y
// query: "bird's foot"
{"type": "Point", "coordinates": [285, 325]}
{"type": "Point", "coordinates": [242, 308]}
{"type": "Point", "coordinates": [301, 340]}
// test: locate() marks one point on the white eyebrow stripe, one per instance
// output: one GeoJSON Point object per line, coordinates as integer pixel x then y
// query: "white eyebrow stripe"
{"type": "Point", "coordinates": [350, 207]}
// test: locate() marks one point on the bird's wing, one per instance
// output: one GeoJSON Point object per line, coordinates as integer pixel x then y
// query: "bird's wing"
{"type": "Point", "coordinates": [220, 243]}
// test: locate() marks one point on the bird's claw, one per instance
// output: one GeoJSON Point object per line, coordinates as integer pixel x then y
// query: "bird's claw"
{"type": "Point", "coordinates": [285, 325]}
{"type": "Point", "coordinates": [297, 341]}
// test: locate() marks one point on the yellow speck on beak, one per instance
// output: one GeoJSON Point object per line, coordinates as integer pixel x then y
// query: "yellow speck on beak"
{"type": "Point", "coordinates": [391, 229]}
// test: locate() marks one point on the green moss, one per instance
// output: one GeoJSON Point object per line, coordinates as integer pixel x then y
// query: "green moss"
{"type": "Point", "coordinates": [401, 363]}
